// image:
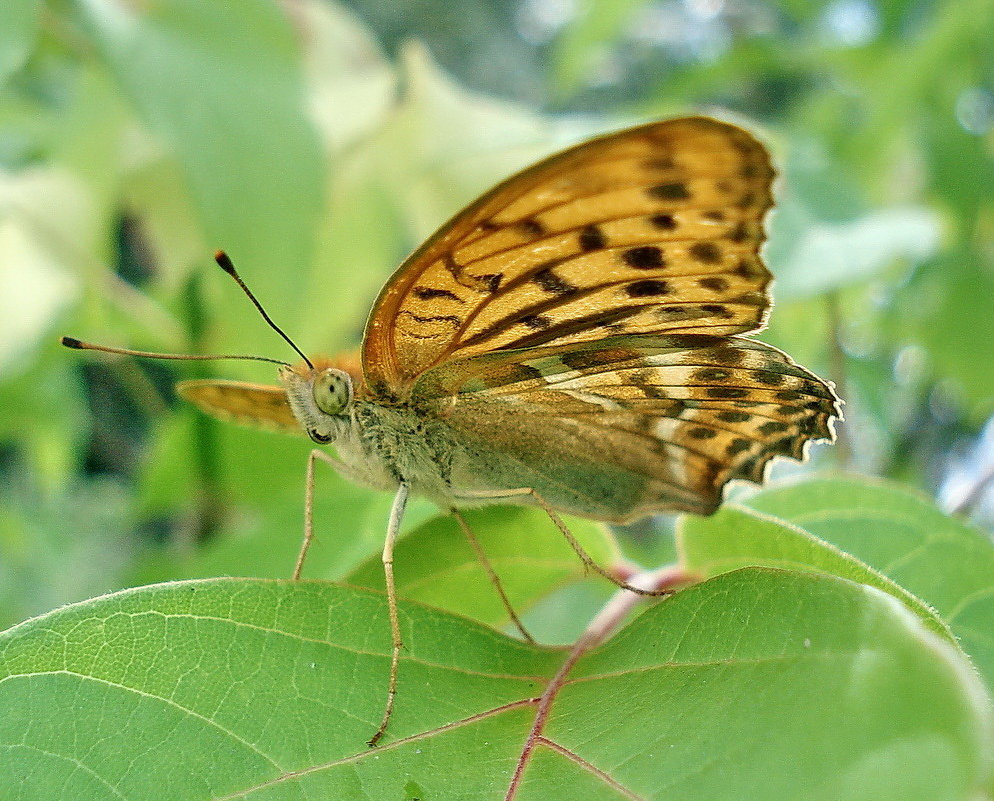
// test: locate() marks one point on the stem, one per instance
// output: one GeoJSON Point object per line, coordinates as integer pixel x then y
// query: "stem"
{"type": "Point", "coordinates": [604, 623]}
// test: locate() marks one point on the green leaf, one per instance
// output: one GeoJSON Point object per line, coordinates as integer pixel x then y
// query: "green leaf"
{"type": "Point", "coordinates": [745, 686]}
{"type": "Point", "coordinates": [221, 85]}
{"type": "Point", "coordinates": [827, 255]}
{"type": "Point", "coordinates": [260, 487]}
{"type": "Point", "coordinates": [735, 537]}
{"type": "Point", "coordinates": [943, 561]}
{"type": "Point", "coordinates": [18, 29]}
{"type": "Point", "coordinates": [436, 565]}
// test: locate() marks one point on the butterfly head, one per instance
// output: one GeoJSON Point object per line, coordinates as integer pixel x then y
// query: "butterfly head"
{"type": "Point", "coordinates": [321, 399]}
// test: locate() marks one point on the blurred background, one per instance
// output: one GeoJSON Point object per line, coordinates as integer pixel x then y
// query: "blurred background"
{"type": "Point", "coordinates": [319, 142]}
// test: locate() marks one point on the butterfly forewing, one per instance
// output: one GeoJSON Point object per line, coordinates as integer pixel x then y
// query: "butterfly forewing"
{"type": "Point", "coordinates": [667, 420]}
{"type": "Point", "coordinates": [260, 405]}
{"type": "Point", "coordinates": [653, 229]}
{"type": "Point", "coordinates": [254, 405]}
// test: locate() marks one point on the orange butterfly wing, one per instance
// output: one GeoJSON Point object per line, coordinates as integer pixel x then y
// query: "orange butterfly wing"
{"type": "Point", "coordinates": [626, 426]}
{"type": "Point", "coordinates": [259, 405]}
{"type": "Point", "coordinates": [654, 229]}
{"type": "Point", "coordinates": [255, 405]}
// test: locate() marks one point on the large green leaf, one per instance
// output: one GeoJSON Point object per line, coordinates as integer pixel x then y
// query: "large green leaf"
{"type": "Point", "coordinates": [943, 561]}
{"type": "Point", "coordinates": [734, 538]}
{"type": "Point", "coordinates": [745, 686]}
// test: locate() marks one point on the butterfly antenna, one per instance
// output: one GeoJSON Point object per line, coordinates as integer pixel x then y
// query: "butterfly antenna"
{"type": "Point", "coordinates": [78, 344]}
{"type": "Point", "coordinates": [225, 263]}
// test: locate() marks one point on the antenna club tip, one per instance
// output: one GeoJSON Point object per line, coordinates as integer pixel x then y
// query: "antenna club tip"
{"type": "Point", "coordinates": [224, 262]}
{"type": "Point", "coordinates": [71, 342]}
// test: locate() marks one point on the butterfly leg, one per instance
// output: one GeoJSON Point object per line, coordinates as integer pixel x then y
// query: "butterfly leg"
{"type": "Point", "coordinates": [492, 574]}
{"type": "Point", "coordinates": [574, 543]}
{"type": "Point", "coordinates": [396, 514]}
{"type": "Point", "coordinates": [342, 469]}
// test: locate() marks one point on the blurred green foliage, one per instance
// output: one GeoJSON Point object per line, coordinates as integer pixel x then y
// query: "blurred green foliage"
{"type": "Point", "coordinates": [318, 143]}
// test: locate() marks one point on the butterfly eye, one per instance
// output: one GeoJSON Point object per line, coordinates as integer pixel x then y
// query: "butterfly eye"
{"type": "Point", "coordinates": [332, 391]}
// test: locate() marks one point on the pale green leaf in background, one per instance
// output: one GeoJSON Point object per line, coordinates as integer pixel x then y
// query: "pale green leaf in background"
{"type": "Point", "coordinates": [19, 22]}
{"type": "Point", "coordinates": [435, 563]}
{"type": "Point", "coordinates": [236, 123]}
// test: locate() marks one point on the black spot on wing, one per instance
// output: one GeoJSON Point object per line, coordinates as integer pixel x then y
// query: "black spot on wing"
{"type": "Point", "coordinates": [711, 374]}
{"type": "Point", "coordinates": [773, 427]}
{"type": "Point", "coordinates": [491, 281]}
{"type": "Point", "coordinates": [664, 222]}
{"type": "Point", "coordinates": [747, 269]}
{"type": "Point", "coordinates": [726, 393]}
{"type": "Point", "coordinates": [739, 233]}
{"type": "Point", "coordinates": [530, 227]}
{"type": "Point", "coordinates": [768, 377]}
{"type": "Point", "coordinates": [659, 163]}
{"type": "Point", "coordinates": [550, 282]}
{"type": "Point", "coordinates": [737, 446]}
{"type": "Point", "coordinates": [646, 289]}
{"type": "Point", "coordinates": [716, 309]}
{"type": "Point", "coordinates": [705, 252]}
{"type": "Point", "coordinates": [647, 257]}
{"type": "Point", "coordinates": [535, 321]}
{"type": "Point", "coordinates": [429, 293]}
{"type": "Point", "coordinates": [670, 191]}
{"type": "Point", "coordinates": [592, 238]}
{"type": "Point", "coordinates": [726, 355]}
{"type": "Point", "coordinates": [714, 283]}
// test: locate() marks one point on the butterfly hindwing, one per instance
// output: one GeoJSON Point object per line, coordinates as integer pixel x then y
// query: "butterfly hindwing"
{"type": "Point", "coordinates": [655, 229]}
{"type": "Point", "coordinates": [629, 425]}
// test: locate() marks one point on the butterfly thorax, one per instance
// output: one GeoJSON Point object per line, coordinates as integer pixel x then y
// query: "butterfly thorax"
{"type": "Point", "coordinates": [381, 443]}
{"type": "Point", "coordinates": [405, 443]}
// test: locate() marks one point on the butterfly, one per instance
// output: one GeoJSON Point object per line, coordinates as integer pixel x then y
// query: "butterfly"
{"type": "Point", "coordinates": [571, 339]}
